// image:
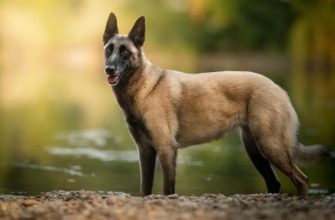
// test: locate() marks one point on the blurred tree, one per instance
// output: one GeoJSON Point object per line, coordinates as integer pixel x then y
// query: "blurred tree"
{"type": "Point", "coordinates": [213, 25]}
{"type": "Point", "coordinates": [237, 25]}
{"type": "Point", "coordinates": [313, 34]}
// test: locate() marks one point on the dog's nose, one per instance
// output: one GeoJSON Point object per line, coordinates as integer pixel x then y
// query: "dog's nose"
{"type": "Point", "coordinates": [110, 70]}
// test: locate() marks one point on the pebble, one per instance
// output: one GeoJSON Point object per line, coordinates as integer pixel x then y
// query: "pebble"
{"type": "Point", "coordinates": [173, 196]}
{"type": "Point", "coordinates": [30, 202]}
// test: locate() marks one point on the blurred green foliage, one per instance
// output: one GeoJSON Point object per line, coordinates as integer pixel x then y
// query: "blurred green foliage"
{"type": "Point", "coordinates": [249, 25]}
{"type": "Point", "coordinates": [304, 28]}
{"type": "Point", "coordinates": [312, 36]}
{"type": "Point", "coordinates": [215, 25]}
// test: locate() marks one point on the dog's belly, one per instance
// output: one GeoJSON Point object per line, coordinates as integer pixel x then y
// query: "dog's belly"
{"type": "Point", "coordinates": [192, 135]}
{"type": "Point", "coordinates": [196, 127]}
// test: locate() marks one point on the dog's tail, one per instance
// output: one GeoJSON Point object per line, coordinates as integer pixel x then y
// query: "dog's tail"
{"type": "Point", "coordinates": [305, 155]}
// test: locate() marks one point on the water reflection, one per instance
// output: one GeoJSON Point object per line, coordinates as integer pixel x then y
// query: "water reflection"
{"type": "Point", "coordinates": [73, 171]}
{"type": "Point", "coordinates": [96, 137]}
{"type": "Point", "coordinates": [93, 153]}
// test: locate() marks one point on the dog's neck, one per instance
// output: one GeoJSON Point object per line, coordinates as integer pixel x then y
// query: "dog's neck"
{"type": "Point", "coordinates": [139, 85]}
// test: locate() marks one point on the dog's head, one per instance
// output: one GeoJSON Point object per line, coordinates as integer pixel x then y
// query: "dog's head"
{"type": "Point", "coordinates": [123, 55]}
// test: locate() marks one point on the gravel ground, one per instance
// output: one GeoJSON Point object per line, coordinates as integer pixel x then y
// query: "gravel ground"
{"type": "Point", "coordinates": [93, 205]}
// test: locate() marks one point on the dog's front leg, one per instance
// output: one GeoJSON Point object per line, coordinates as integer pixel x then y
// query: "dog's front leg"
{"type": "Point", "coordinates": [147, 164]}
{"type": "Point", "coordinates": [147, 154]}
{"type": "Point", "coordinates": [162, 133]}
{"type": "Point", "coordinates": [167, 157]}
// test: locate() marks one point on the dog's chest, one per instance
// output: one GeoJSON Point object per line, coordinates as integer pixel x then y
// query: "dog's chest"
{"type": "Point", "coordinates": [134, 119]}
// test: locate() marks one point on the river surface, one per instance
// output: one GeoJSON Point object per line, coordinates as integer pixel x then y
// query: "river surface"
{"type": "Point", "coordinates": [72, 139]}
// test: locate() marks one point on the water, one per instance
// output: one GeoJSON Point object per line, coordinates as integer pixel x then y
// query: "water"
{"type": "Point", "coordinates": [60, 142]}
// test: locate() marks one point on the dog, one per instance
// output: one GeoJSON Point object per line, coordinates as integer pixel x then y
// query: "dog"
{"type": "Point", "coordinates": [166, 110]}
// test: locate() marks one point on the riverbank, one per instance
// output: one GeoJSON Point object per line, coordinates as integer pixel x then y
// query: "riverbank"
{"type": "Point", "coordinates": [93, 205]}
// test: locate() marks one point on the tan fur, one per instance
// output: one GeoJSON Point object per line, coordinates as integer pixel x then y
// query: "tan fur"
{"type": "Point", "coordinates": [197, 108]}
{"type": "Point", "coordinates": [166, 110]}
{"type": "Point", "coordinates": [187, 109]}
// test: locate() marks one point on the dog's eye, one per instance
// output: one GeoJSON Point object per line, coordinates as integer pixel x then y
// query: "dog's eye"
{"type": "Point", "coordinates": [109, 50]}
{"type": "Point", "coordinates": [124, 51]}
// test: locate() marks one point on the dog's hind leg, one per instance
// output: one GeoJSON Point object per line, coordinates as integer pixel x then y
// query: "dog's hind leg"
{"type": "Point", "coordinates": [260, 162]}
{"type": "Point", "coordinates": [303, 181]}
{"type": "Point", "coordinates": [275, 151]}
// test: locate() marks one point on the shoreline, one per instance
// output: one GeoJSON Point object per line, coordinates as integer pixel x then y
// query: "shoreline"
{"type": "Point", "coordinates": [115, 205]}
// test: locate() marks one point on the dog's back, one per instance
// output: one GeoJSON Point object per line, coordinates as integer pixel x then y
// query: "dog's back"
{"type": "Point", "coordinates": [209, 104]}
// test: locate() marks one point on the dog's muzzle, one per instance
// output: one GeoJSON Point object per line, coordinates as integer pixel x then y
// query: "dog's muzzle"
{"type": "Point", "coordinates": [110, 70]}
{"type": "Point", "coordinates": [112, 77]}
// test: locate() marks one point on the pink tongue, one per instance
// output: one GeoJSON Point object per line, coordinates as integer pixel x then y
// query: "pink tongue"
{"type": "Point", "coordinates": [112, 79]}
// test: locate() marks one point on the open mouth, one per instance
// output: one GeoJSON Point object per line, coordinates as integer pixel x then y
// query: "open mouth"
{"type": "Point", "coordinates": [112, 79]}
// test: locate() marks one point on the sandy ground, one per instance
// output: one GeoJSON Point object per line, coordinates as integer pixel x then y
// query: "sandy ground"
{"type": "Point", "coordinates": [93, 205]}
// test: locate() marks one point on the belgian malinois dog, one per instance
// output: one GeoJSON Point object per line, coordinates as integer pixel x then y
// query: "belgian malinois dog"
{"type": "Point", "coordinates": [166, 110]}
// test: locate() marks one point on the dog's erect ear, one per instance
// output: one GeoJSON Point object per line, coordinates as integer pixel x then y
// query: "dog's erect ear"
{"type": "Point", "coordinates": [137, 33]}
{"type": "Point", "coordinates": [111, 28]}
